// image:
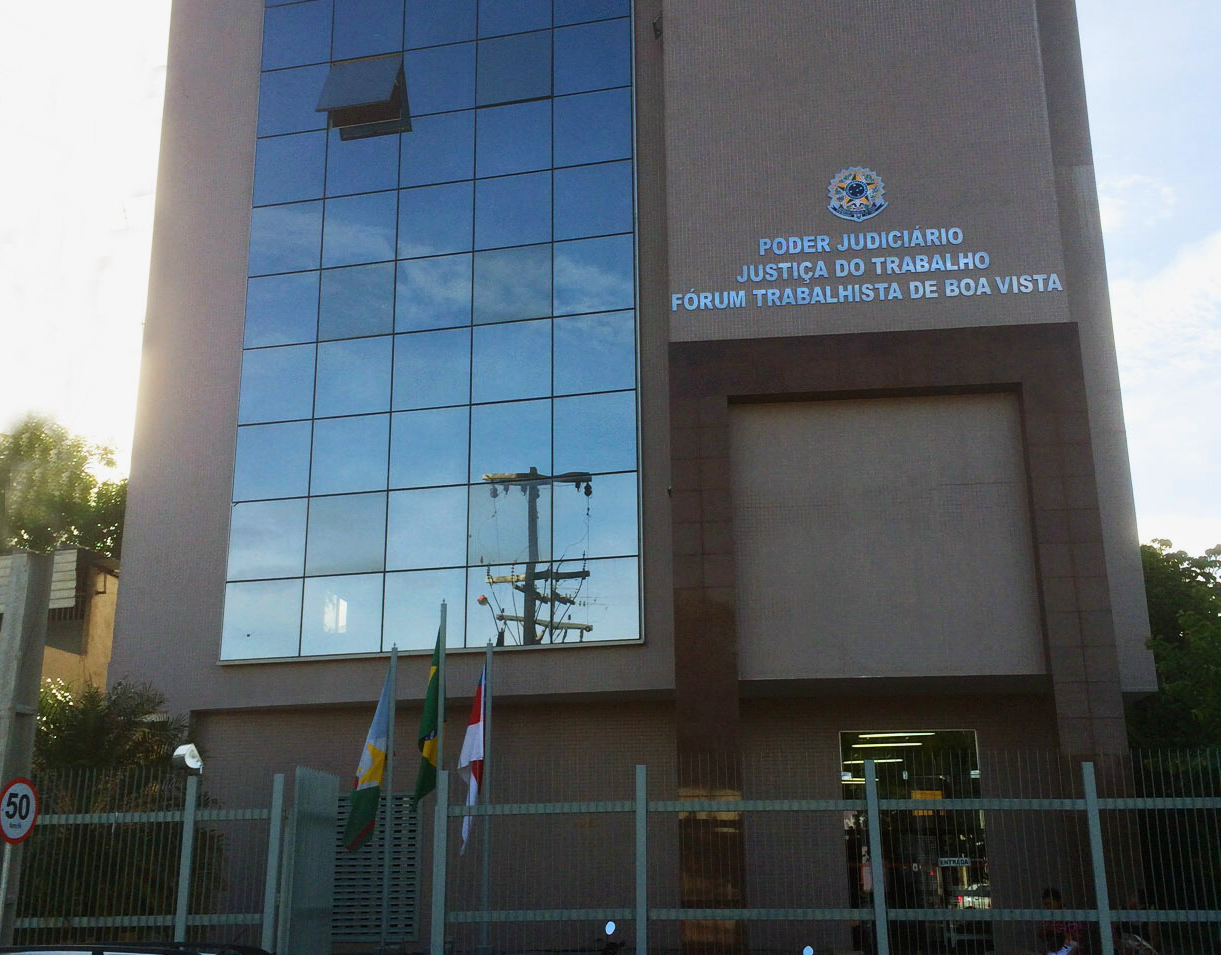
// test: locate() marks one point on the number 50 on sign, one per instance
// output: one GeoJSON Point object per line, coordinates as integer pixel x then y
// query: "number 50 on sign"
{"type": "Point", "coordinates": [18, 810]}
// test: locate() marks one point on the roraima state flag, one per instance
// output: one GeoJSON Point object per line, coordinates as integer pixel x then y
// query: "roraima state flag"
{"type": "Point", "coordinates": [470, 762]}
{"type": "Point", "coordinates": [367, 789]}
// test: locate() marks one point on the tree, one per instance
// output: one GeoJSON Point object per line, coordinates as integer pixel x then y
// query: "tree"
{"type": "Point", "coordinates": [1184, 596]}
{"type": "Point", "coordinates": [50, 496]}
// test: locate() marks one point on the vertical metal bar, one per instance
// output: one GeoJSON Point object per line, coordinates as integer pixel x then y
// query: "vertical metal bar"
{"type": "Point", "coordinates": [642, 860]}
{"type": "Point", "coordinates": [877, 867]}
{"type": "Point", "coordinates": [440, 830]}
{"type": "Point", "coordinates": [275, 823]}
{"type": "Point", "coordinates": [1101, 897]}
{"type": "Point", "coordinates": [388, 787]}
{"type": "Point", "coordinates": [441, 691]}
{"type": "Point", "coordinates": [5, 926]}
{"type": "Point", "coordinates": [485, 796]}
{"type": "Point", "coordinates": [184, 859]}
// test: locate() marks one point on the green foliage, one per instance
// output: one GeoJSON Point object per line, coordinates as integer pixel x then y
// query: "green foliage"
{"type": "Point", "coordinates": [49, 495]}
{"type": "Point", "coordinates": [1184, 595]}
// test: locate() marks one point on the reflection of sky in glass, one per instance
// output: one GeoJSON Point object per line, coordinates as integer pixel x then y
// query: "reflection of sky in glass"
{"type": "Point", "coordinates": [510, 437]}
{"type": "Point", "coordinates": [342, 615]}
{"type": "Point", "coordinates": [595, 352]}
{"type": "Point", "coordinates": [514, 68]}
{"type": "Point", "coordinates": [430, 23]}
{"type": "Point", "coordinates": [267, 539]}
{"type": "Point", "coordinates": [593, 127]}
{"type": "Point", "coordinates": [433, 293]}
{"type": "Point", "coordinates": [607, 529]}
{"type": "Point", "coordinates": [599, 432]}
{"type": "Point", "coordinates": [441, 79]}
{"type": "Point", "coordinates": [593, 200]}
{"type": "Point", "coordinates": [367, 27]}
{"type": "Point", "coordinates": [500, 525]}
{"type": "Point", "coordinates": [276, 384]}
{"type": "Point", "coordinates": [429, 447]}
{"type": "Point", "coordinates": [287, 100]}
{"type": "Point", "coordinates": [432, 369]}
{"type": "Point", "coordinates": [513, 16]}
{"type": "Point", "coordinates": [425, 528]}
{"type": "Point", "coordinates": [594, 56]}
{"type": "Point", "coordinates": [346, 534]}
{"type": "Point", "coordinates": [359, 229]}
{"type": "Point", "coordinates": [289, 168]}
{"type": "Point", "coordinates": [514, 210]}
{"type": "Point", "coordinates": [511, 361]}
{"type": "Point", "coordinates": [594, 275]}
{"type": "Point", "coordinates": [361, 165]}
{"type": "Point", "coordinates": [285, 238]}
{"type": "Point", "coordinates": [434, 220]}
{"type": "Point", "coordinates": [272, 460]}
{"type": "Point", "coordinates": [261, 620]}
{"type": "Point", "coordinates": [350, 454]}
{"type": "Point", "coordinates": [413, 608]}
{"type": "Point", "coordinates": [357, 301]}
{"type": "Point", "coordinates": [512, 284]}
{"type": "Point", "coordinates": [514, 138]}
{"type": "Point", "coordinates": [281, 309]}
{"type": "Point", "coordinates": [297, 34]}
{"type": "Point", "coordinates": [353, 376]}
{"type": "Point", "coordinates": [578, 11]}
{"type": "Point", "coordinates": [439, 148]}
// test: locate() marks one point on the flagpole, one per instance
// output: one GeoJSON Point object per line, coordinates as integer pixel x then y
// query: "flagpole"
{"type": "Point", "coordinates": [441, 692]}
{"type": "Point", "coordinates": [387, 829]}
{"type": "Point", "coordinates": [486, 795]}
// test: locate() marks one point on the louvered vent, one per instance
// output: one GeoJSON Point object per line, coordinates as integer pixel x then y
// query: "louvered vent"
{"type": "Point", "coordinates": [358, 880]}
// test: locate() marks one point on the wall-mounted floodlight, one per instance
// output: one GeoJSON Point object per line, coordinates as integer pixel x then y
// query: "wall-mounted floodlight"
{"type": "Point", "coordinates": [186, 757]}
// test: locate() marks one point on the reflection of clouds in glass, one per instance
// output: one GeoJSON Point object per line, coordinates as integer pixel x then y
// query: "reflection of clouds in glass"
{"type": "Point", "coordinates": [267, 540]}
{"type": "Point", "coordinates": [610, 528]}
{"type": "Point", "coordinates": [509, 438]}
{"type": "Point", "coordinates": [342, 615]}
{"type": "Point", "coordinates": [433, 293]}
{"type": "Point", "coordinates": [261, 620]}
{"type": "Point", "coordinates": [272, 461]}
{"type": "Point", "coordinates": [349, 454]}
{"type": "Point", "coordinates": [353, 377]}
{"type": "Point", "coordinates": [432, 369]}
{"type": "Point", "coordinates": [512, 284]}
{"type": "Point", "coordinates": [359, 229]}
{"type": "Point", "coordinates": [429, 447]}
{"type": "Point", "coordinates": [413, 608]}
{"type": "Point", "coordinates": [500, 524]}
{"type": "Point", "coordinates": [277, 384]}
{"type": "Point", "coordinates": [599, 432]}
{"type": "Point", "coordinates": [357, 301]}
{"type": "Point", "coordinates": [285, 238]}
{"type": "Point", "coordinates": [595, 352]}
{"type": "Point", "coordinates": [594, 275]}
{"type": "Point", "coordinates": [426, 528]}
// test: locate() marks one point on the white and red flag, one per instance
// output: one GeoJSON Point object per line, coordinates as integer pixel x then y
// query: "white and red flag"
{"type": "Point", "coordinates": [470, 762]}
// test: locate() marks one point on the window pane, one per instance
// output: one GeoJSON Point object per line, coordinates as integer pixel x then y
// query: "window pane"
{"type": "Point", "coordinates": [429, 447]}
{"type": "Point", "coordinates": [346, 534]}
{"type": "Point", "coordinates": [513, 16]}
{"type": "Point", "coordinates": [353, 377]}
{"type": "Point", "coordinates": [288, 100]}
{"type": "Point", "coordinates": [361, 165]}
{"type": "Point", "coordinates": [500, 524]}
{"type": "Point", "coordinates": [272, 460]}
{"type": "Point", "coordinates": [359, 229]}
{"type": "Point", "coordinates": [512, 284]}
{"type": "Point", "coordinates": [514, 138]}
{"type": "Point", "coordinates": [510, 438]}
{"type": "Point", "coordinates": [438, 149]}
{"type": "Point", "coordinates": [511, 361]}
{"type": "Point", "coordinates": [367, 27]}
{"type": "Point", "coordinates": [441, 79]}
{"type": "Point", "coordinates": [289, 168]}
{"type": "Point", "coordinates": [432, 369]}
{"type": "Point", "coordinates": [578, 11]}
{"type": "Point", "coordinates": [261, 620]}
{"type": "Point", "coordinates": [357, 301]}
{"type": "Point", "coordinates": [593, 200]}
{"type": "Point", "coordinates": [433, 293]}
{"type": "Point", "coordinates": [601, 525]}
{"type": "Point", "coordinates": [593, 57]}
{"type": "Point", "coordinates": [515, 210]}
{"type": "Point", "coordinates": [296, 35]}
{"type": "Point", "coordinates": [514, 68]}
{"type": "Point", "coordinates": [595, 352]}
{"type": "Point", "coordinates": [426, 528]}
{"type": "Point", "coordinates": [277, 384]}
{"type": "Point", "coordinates": [267, 539]}
{"type": "Point", "coordinates": [342, 615]}
{"type": "Point", "coordinates": [413, 608]}
{"type": "Point", "coordinates": [609, 600]}
{"type": "Point", "coordinates": [594, 275]}
{"type": "Point", "coordinates": [593, 127]}
{"type": "Point", "coordinates": [599, 432]}
{"type": "Point", "coordinates": [434, 220]}
{"type": "Point", "coordinates": [282, 309]}
{"type": "Point", "coordinates": [430, 23]}
{"type": "Point", "coordinates": [350, 454]}
{"type": "Point", "coordinates": [285, 238]}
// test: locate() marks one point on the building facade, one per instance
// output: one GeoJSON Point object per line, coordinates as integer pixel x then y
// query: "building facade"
{"type": "Point", "coordinates": [754, 371]}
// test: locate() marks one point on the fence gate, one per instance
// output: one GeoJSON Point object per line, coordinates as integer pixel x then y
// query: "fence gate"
{"type": "Point", "coordinates": [309, 865]}
{"type": "Point", "coordinates": [358, 879]}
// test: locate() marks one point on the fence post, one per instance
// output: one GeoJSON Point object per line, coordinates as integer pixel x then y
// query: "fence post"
{"type": "Point", "coordinates": [1102, 898]}
{"type": "Point", "coordinates": [877, 867]}
{"type": "Point", "coordinates": [275, 822]}
{"type": "Point", "coordinates": [642, 861]}
{"type": "Point", "coordinates": [184, 859]}
{"type": "Point", "coordinates": [440, 829]}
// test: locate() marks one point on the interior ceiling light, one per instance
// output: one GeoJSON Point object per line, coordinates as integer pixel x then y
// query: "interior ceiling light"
{"type": "Point", "coordinates": [885, 735]}
{"type": "Point", "coordinates": [882, 745]}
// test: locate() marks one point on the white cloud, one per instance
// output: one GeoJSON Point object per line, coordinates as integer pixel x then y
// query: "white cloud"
{"type": "Point", "coordinates": [1168, 336]}
{"type": "Point", "coordinates": [1134, 201]}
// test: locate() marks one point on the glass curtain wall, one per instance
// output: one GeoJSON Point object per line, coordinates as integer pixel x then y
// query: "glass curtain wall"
{"type": "Point", "coordinates": [438, 392]}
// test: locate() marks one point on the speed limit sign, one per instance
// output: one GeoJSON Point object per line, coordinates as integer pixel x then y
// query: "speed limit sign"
{"type": "Point", "coordinates": [18, 810]}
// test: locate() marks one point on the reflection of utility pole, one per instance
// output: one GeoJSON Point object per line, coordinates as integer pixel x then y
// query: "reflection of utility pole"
{"type": "Point", "coordinates": [530, 482]}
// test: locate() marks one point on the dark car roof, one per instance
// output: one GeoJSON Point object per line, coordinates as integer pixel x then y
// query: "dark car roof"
{"type": "Point", "coordinates": [137, 948]}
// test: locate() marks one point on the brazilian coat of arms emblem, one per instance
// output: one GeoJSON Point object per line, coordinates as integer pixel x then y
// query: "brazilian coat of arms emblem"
{"type": "Point", "coordinates": [856, 193]}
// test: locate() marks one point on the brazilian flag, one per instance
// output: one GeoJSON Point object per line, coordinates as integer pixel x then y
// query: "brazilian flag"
{"type": "Point", "coordinates": [426, 779]}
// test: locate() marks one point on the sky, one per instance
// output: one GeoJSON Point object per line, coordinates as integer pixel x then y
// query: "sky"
{"type": "Point", "coordinates": [75, 229]}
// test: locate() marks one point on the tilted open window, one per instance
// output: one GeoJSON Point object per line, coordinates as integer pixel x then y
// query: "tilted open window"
{"type": "Point", "coordinates": [366, 97]}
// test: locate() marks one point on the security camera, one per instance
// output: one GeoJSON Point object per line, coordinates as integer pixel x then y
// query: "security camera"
{"type": "Point", "coordinates": [187, 757]}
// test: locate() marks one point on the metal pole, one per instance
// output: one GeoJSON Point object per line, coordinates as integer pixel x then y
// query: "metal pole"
{"type": "Point", "coordinates": [388, 779]}
{"type": "Point", "coordinates": [485, 796]}
{"type": "Point", "coordinates": [642, 861]}
{"type": "Point", "coordinates": [5, 929]}
{"type": "Point", "coordinates": [440, 829]}
{"type": "Point", "coordinates": [184, 859]}
{"type": "Point", "coordinates": [529, 634]}
{"type": "Point", "coordinates": [877, 867]}
{"type": "Point", "coordinates": [275, 826]}
{"type": "Point", "coordinates": [1102, 899]}
{"type": "Point", "coordinates": [441, 695]}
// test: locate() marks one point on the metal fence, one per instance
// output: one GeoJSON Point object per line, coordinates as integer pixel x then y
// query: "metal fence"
{"type": "Point", "coordinates": [1013, 853]}
{"type": "Point", "coordinates": [150, 855]}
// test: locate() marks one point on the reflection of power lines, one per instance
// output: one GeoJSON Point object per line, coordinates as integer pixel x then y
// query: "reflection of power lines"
{"type": "Point", "coordinates": [530, 482]}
